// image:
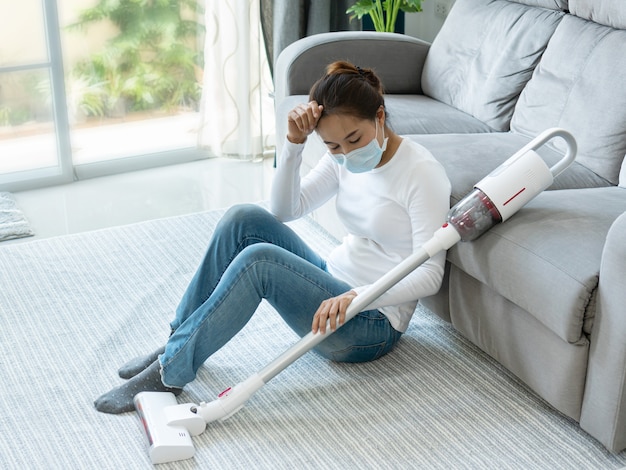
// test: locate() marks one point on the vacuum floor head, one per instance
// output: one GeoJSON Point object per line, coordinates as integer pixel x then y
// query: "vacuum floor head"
{"type": "Point", "coordinates": [167, 443]}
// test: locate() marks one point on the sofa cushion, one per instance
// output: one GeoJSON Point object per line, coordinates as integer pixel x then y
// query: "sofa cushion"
{"type": "Point", "coordinates": [484, 55]}
{"type": "Point", "coordinates": [468, 158]}
{"type": "Point", "coordinates": [607, 12]}
{"type": "Point", "coordinates": [552, 4]}
{"type": "Point", "coordinates": [419, 114]}
{"type": "Point", "coordinates": [546, 258]}
{"type": "Point", "coordinates": [579, 85]}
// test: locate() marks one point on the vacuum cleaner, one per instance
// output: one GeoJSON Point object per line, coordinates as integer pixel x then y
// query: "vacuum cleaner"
{"type": "Point", "coordinates": [169, 426]}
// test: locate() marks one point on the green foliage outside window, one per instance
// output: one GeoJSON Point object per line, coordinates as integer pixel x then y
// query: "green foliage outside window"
{"type": "Point", "coordinates": [152, 63]}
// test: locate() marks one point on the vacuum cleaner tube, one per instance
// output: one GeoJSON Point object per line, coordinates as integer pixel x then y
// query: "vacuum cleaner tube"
{"type": "Point", "coordinates": [474, 215]}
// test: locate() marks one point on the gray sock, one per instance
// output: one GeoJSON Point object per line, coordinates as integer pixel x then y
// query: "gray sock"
{"type": "Point", "coordinates": [139, 364]}
{"type": "Point", "coordinates": [120, 399]}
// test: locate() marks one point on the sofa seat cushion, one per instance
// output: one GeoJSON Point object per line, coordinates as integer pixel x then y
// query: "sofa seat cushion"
{"type": "Point", "coordinates": [419, 114]}
{"type": "Point", "coordinates": [579, 86]}
{"type": "Point", "coordinates": [484, 55]}
{"type": "Point", "coordinates": [408, 114]}
{"type": "Point", "coordinates": [546, 258]}
{"type": "Point", "coordinates": [468, 158]}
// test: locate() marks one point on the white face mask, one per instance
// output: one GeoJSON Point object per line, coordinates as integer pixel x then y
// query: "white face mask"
{"type": "Point", "coordinates": [365, 158]}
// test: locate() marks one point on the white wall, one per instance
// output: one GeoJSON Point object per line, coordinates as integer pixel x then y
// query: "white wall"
{"type": "Point", "coordinates": [425, 24]}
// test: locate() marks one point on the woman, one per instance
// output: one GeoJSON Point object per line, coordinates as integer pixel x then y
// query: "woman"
{"type": "Point", "coordinates": [391, 195]}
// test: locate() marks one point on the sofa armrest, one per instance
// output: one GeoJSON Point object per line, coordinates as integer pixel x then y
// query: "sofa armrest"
{"type": "Point", "coordinates": [397, 59]}
{"type": "Point", "coordinates": [604, 403]}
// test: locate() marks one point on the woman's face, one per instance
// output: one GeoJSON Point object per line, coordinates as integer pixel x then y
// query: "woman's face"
{"type": "Point", "coordinates": [343, 133]}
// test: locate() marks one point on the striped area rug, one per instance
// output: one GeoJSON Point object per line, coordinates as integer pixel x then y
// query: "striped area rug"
{"type": "Point", "coordinates": [73, 308]}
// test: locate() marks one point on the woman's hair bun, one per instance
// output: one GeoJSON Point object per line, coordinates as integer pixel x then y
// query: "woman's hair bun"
{"type": "Point", "coordinates": [344, 67]}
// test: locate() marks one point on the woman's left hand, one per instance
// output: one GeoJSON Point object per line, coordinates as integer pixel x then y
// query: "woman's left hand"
{"type": "Point", "coordinates": [333, 309]}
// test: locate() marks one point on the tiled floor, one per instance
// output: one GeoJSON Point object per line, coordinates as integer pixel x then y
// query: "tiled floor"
{"type": "Point", "coordinates": [137, 196]}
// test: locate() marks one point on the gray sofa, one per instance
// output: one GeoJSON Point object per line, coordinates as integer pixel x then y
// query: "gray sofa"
{"type": "Point", "coordinates": [544, 293]}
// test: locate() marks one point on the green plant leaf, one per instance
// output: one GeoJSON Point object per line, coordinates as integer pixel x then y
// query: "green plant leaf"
{"type": "Point", "coordinates": [411, 6]}
{"type": "Point", "coordinates": [361, 8]}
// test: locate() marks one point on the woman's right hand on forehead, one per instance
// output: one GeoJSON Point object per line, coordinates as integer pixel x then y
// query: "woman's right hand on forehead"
{"type": "Point", "coordinates": [302, 120]}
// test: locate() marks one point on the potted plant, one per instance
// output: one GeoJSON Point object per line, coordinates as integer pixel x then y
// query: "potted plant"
{"type": "Point", "coordinates": [383, 13]}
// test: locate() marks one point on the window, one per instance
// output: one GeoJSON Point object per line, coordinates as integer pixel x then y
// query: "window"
{"type": "Point", "coordinates": [94, 87]}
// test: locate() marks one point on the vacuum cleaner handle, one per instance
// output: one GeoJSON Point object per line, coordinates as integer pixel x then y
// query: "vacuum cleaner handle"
{"type": "Point", "coordinates": [570, 154]}
{"type": "Point", "coordinates": [548, 135]}
{"type": "Point", "coordinates": [443, 238]}
{"type": "Point", "coordinates": [360, 302]}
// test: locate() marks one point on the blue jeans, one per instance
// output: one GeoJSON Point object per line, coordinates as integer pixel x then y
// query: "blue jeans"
{"type": "Point", "coordinates": [253, 256]}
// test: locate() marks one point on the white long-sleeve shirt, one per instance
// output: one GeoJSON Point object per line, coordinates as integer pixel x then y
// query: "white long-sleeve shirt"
{"type": "Point", "coordinates": [389, 213]}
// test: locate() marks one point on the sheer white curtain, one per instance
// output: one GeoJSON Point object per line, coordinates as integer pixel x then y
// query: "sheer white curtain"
{"type": "Point", "coordinates": [237, 110]}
